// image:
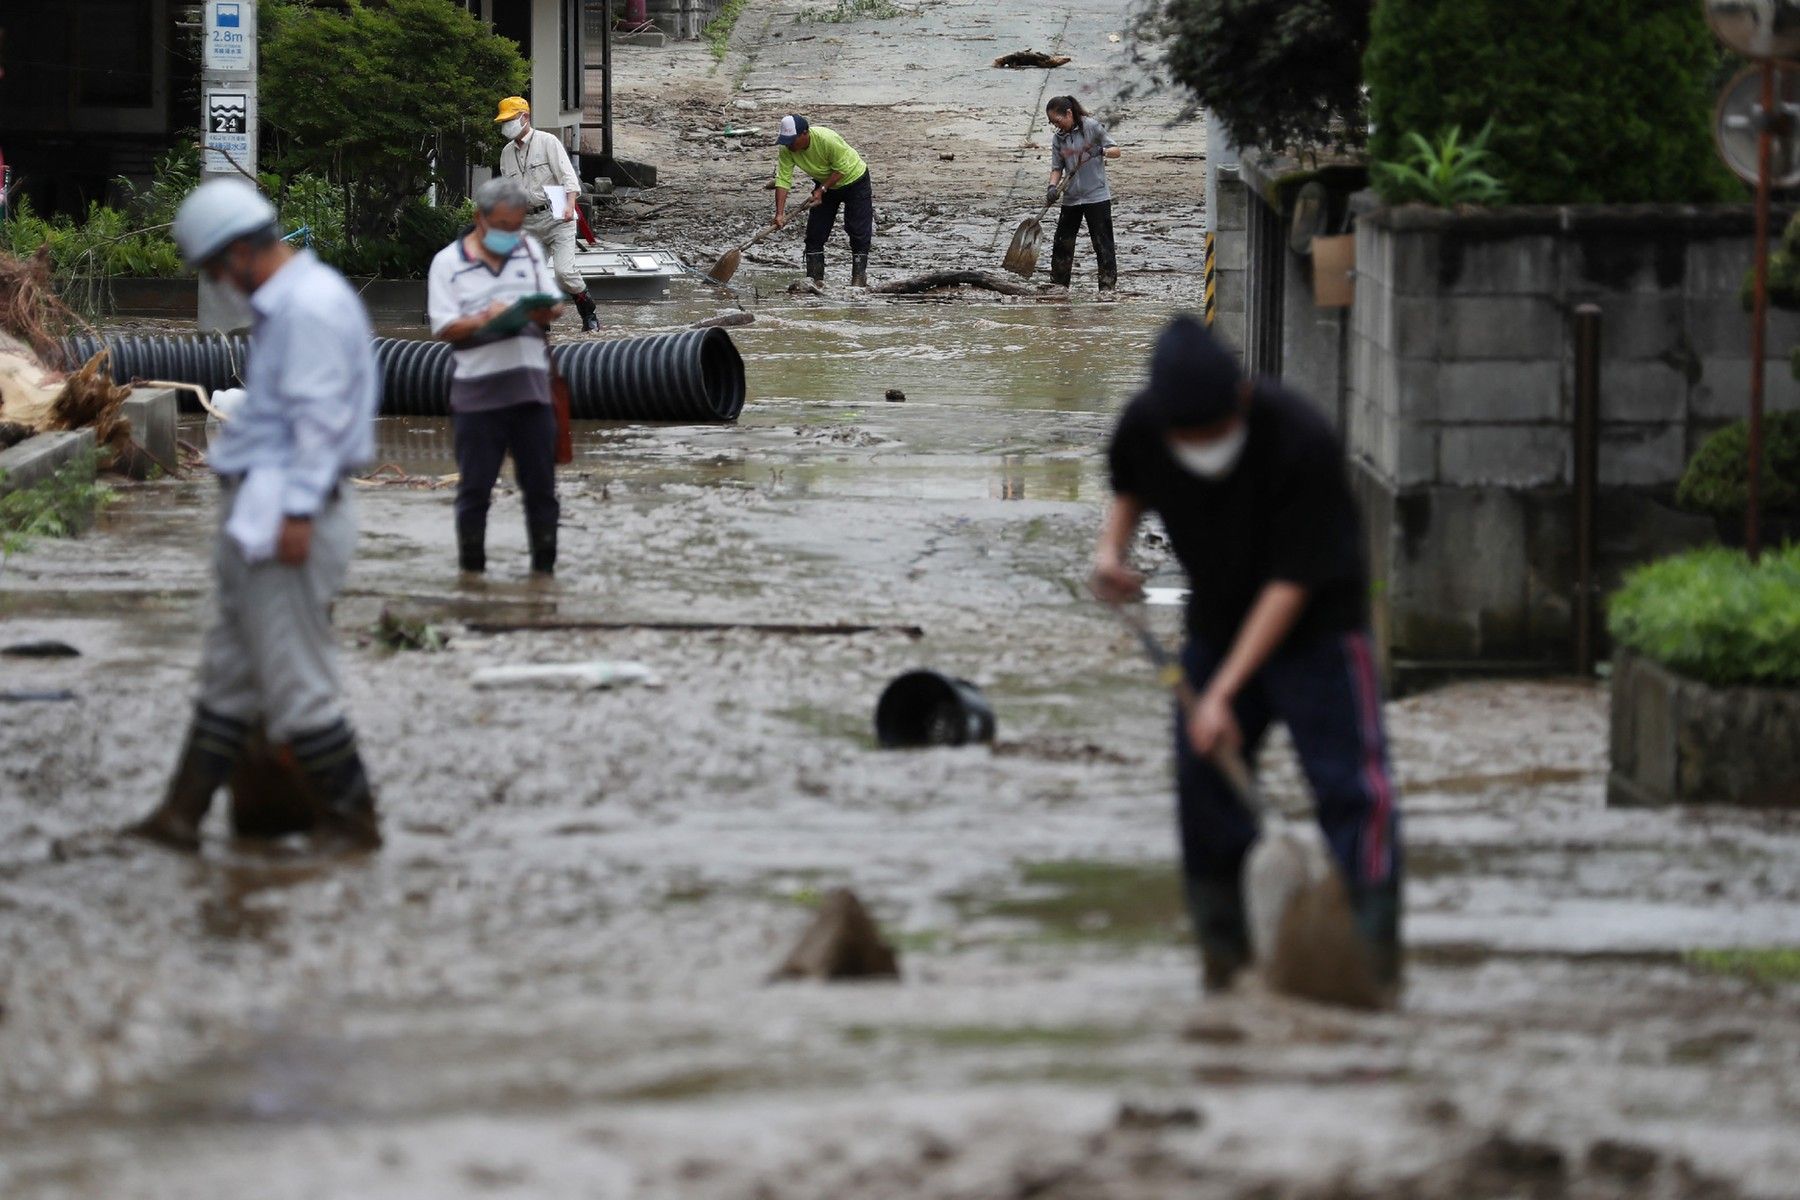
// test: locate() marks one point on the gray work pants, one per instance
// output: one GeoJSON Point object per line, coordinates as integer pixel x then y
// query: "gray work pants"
{"type": "Point", "coordinates": [558, 238]}
{"type": "Point", "coordinates": [269, 654]}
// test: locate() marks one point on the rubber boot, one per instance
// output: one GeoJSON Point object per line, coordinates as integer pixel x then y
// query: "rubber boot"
{"type": "Point", "coordinates": [471, 544]}
{"type": "Point", "coordinates": [543, 550]}
{"type": "Point", "coordinates": [214, 744]}
{"type": "Point", "coordinates": [859, 270]}
{"type": "Point", "coordinates": [332, 766]}
{"type": "Point", "coordinates": [1216, 909]}
{"type": "Point", "coordinates": [815, 265]}
{"type": "Point", "coordinates": [590, 317]}
{"type": "Point", "coordinates": [1377, 912]}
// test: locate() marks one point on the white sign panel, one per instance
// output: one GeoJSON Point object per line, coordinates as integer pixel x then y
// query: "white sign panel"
{"type": "Point", "coordinates": [230, 35]}
{"type": "Point", "coordinates": [230, 130]}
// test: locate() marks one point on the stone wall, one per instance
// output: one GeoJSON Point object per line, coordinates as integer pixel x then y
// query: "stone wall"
{"type": "Point", "coordinates": [1229, 224]}
{"type": "Point", "coordinates": [1460, 405]}
{"type": "Point", "coordinates": [1678, 741]}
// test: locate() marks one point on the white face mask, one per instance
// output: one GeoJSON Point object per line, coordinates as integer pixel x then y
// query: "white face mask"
{"type": "Point", "coordinates": [1212, 460]}
{"type": "Point", "coordinates": [513, 128]}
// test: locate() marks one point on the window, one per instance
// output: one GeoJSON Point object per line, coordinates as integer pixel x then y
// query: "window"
{"type": "Point", "coordinates": [574, 65]}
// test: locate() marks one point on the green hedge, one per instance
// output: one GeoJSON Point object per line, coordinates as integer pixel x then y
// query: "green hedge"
{"type": "Point", "coordinates": [1711, 615]}
{"type": "Point", "coordinates": [1717, 479]}
{"type": "Point", "coordinates": [1593, 101]}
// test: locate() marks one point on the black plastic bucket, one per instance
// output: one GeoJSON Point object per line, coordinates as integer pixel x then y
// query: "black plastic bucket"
{"type": "Point", "coordinates": [926, 708]}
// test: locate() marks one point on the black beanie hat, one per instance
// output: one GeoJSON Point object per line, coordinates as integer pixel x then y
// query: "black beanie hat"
{"type": "Point", "coordinates": [1194, 377]}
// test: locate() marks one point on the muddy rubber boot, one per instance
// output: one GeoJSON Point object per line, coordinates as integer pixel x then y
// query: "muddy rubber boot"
{"type": "Point", "coordinates": [590, 317]}
{"type": "Point", "coordinates": [214, 744]}
{"type": "Point", "coordinates": [340, 786]}
{"type": "Point", "coordinates": [1216, 910]}
{"type": "Point", "coordinates": [1377, 912]}
{"type": "Point", "coordinates": [859, 270]}
{"type": "Point", "coordinates": [1062, 262]}
{"type": "Point", "coordinates": [471, 544]}
{"type": "Point", "coordinates": [543, 550]}
{"type": "Point", "coordinates": [815, 266]}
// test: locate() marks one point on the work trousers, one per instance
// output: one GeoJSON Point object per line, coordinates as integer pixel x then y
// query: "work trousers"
{"type": "Point", "coordinates": [268, 653]}
{"type": "Point", "coordinates": [858, 202]}
{"type": "Point", "coordinates": [483, 439]}
{"type": "Point", "coordinates": [558, 238]}
{"type": "Point", "coordinates": [1325, 691]}
{"type": "Point", "coordinates": [1100, 233]}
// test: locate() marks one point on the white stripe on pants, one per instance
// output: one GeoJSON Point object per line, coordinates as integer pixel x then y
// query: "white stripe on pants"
{"type": "Point", "coordinates": [269, 653]}
{"type": "Point", "coordinates": [558, 238]}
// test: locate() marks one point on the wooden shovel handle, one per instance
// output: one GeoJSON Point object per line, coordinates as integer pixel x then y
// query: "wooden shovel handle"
{"type": "Point", "coordinates": [769, 229]}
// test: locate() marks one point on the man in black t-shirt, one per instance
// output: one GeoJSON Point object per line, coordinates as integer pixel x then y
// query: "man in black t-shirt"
{"type": "Point", "coordinates": [1250, 485]}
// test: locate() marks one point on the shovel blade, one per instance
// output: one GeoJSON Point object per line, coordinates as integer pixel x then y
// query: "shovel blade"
{"type": "Point", "coordinates": [1301, 926]}
{"type": "Point", "coordinates": [726, 267]}
{"type": "Point", "coordinates": [1022, 255]}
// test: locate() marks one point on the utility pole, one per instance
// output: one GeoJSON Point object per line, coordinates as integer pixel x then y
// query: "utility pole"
{"type": "Point", "coordinates": [228, 124]}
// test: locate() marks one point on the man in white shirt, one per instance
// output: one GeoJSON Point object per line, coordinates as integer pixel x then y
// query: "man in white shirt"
{"type": "Point", "coordinates": [537, 159]}
{"type": "Point", "coordinates": [288, 522]}
{"type": "Point", "coordinates": [500, 388]}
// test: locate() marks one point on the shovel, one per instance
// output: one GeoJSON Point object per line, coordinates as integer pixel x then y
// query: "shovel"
{"type": "Point", "coordinates": [1021, 257]}
{"type": "Point", "coordinates": [727, 266]}
{"type": "Point", "coordinates": [1302, 932]}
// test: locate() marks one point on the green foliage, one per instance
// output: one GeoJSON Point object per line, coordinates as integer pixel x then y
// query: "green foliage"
{"type": "Point", "coordinates": [1717, 479]}
{"type": "Point", "coordinates": [718, 30]}
{"type": "Point", "coordinates": [1278, 73]}
{"type": "Point", "coordinates": [1712, 615]}
{"type": "Point", "coordinates": [1767, 967]}
{"type": "Point", "coordinates": [105, 242]}
{"type": "Point", "coordinates": [1447, 173]}
{"type": "Point", "coordinates": [60, 506]}
{"type": "Point", "coordinates": [1607, 101]}
{"type": "Point", "coordinates": [379, 100]}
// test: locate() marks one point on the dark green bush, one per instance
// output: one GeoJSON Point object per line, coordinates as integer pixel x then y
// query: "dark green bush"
{"type": "Point", "coordinates": [1277, 73]}
{"type": "Point", "coordinates": [1711, 615]}
{"type": "Point", "coordinates": [1717, 479]}
{"type": "Point", "coordinates": [1594, 101]}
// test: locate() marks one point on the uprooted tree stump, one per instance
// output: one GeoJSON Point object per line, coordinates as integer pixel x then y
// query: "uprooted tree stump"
{"type": "Point", "coordinates": [841, 943]}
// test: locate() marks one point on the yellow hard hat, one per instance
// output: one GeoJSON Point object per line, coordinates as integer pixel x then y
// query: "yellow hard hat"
{"type": "Point", "coordinates": [511, 107]}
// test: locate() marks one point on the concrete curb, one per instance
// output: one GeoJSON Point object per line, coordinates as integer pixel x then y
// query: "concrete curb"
{"type": "Point", "coordinates": [152, 413]}
{"type": "Point", "coordinates": [36, 459]}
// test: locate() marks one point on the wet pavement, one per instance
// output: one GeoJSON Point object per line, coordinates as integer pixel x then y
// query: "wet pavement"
{"type": "Point", "coordinates": [553, 980]}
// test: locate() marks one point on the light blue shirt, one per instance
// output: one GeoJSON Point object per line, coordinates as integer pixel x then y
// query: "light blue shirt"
{"type": "Point", "coordinates": [312, 386]}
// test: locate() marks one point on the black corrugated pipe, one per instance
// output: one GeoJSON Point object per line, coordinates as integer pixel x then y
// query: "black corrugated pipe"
{"type": "Point", "coordinates": [696, 375]}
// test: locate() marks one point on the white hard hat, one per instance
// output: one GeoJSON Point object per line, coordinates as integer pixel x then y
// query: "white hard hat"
{"type": "Point", "coordinates": [216, 214]}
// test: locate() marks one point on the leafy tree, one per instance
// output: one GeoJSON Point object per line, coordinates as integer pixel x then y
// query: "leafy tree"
{"type": "Point", "coordinates": [1277, 73]}
{"type": "Point", "coordinates": [379, 96]}
{"type": "Point", "coordinates": [1602, 101]}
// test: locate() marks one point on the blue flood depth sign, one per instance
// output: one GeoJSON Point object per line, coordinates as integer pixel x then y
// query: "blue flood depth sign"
{"type": "Point", "coordinates": [230, 35]}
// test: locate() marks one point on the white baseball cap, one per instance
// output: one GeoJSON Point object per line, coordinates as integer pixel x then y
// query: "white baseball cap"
{"type": "Point", "coordinates": [792, 126]}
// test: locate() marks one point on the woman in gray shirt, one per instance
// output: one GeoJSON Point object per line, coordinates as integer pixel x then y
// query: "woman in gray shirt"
{"type": "Point", "coordinates": [1081, 147]}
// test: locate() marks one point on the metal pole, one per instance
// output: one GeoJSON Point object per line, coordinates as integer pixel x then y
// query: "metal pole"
{"type": "Point", "coordinates": [606, 132]}
{"type": "Point", "coordinates": [1759, 320]}
{"type": "Point", "coordinates": [1587, 477]}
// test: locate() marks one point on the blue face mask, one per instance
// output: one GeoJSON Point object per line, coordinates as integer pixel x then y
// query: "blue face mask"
{"type": "Point", "coordinates": [500, 241]}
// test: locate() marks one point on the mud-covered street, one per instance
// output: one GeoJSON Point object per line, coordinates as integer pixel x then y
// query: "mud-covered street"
{"type": "Point", "coordinates": [553, 981]}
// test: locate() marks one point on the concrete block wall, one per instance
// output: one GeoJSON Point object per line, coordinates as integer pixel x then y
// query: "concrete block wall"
{"type": "Point", "coordinates": [1462, 360]}
{"type": "Point", "coordinates": [1460, 404]}
{"type": "Point", "coordinates": [1231, 227]}
{"type": "Point", "coordinates": [682, 18]}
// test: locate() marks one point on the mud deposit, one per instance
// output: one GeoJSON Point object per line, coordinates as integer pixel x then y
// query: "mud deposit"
{"type": "Point", "coordinates": [552, 982]}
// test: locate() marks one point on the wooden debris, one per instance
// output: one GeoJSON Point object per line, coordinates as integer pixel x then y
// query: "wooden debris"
{"type": "Point", "coordinates": [933, 280]}
{"type": "Point", "coordinates": [1022, 59]}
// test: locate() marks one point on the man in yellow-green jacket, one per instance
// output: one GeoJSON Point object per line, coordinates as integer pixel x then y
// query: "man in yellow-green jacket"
{"type": "Point", "coordinates": [840, 180]}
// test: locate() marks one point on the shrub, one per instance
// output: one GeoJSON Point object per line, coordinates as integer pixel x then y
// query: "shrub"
{"type": "Point", "coordinates": [1712, 615]}
{"type": "Point", "coordinates": [1447, 173]}
{"type": "Point", "coordinates": [380, 98]}
{"type": "Point", "coordinates": [1606, 101]}
{"type": "Point", "coordinates": [1717, 480]}
{"type": "Point", "coordinates": [1277, 73]}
